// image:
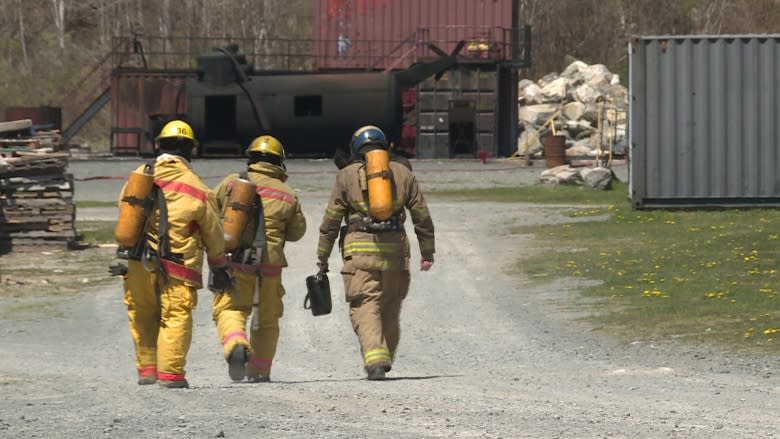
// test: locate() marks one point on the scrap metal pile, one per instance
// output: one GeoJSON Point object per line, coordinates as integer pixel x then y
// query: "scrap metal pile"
{"type": "Point", "coordinates": [36, 192]}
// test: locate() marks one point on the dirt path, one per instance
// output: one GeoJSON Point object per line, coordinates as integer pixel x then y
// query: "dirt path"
{"type": "Point", "coordinates": [484, 353]}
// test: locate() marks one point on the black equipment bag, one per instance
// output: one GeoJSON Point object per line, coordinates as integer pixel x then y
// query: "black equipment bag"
{"type": "Point", "coordinates": [318, 294]}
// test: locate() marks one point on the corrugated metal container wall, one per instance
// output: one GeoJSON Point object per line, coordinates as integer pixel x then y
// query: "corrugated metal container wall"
{"type": "Point", "coordinates": [705, 121]}
{"type": "Point", "coordinates": [366, 33]}
{"type": "Point", "coordinates": [135, 98]}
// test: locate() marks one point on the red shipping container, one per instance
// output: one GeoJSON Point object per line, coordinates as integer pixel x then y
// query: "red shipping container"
{"type": "Point", "coordinates": [393, 34]}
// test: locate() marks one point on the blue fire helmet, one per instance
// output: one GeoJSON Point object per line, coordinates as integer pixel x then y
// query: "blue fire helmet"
{"type": "Point", "coordinates": [368, 135]}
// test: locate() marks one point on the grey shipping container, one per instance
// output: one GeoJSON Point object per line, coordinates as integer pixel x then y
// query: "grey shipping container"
{"type": "Point", "coordinates": [704, 124]}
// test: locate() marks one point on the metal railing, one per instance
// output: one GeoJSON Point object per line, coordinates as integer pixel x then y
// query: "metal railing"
{"type": "Point", "coordinates": [483, 44]}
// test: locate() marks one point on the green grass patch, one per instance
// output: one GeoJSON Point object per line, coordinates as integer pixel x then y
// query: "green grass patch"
{"type": "Point", "coordinates": [539, 193]}
{"type": "Point", "coordinates": [96, 232]}
{"type": "Point", "coordinates": [703, 275]}
{"type": "Point", "coordinates": [92, 203]}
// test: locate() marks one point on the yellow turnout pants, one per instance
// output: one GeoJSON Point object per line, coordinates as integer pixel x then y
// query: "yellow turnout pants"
{"type": "Point", "coordinates": [231, 314]}
{"type": "Point", "coordinates": [160, 319]}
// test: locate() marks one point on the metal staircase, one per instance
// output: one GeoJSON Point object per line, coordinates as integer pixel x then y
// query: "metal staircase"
{"type": "Point", "coordinates": [78, 123]}
{"type": "Point", "coordinates": [90, 94]}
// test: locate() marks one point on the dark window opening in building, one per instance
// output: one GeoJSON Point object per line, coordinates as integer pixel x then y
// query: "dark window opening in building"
{"type": "Point", "coordinates": [220, 117]}
{"type": "Point", "coordinates": [308, 106]}
{"type": "Point", "coordinates": [462, 128]}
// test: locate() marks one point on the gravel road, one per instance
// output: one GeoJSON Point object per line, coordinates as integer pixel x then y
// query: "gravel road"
{"type": "Point", "coordinates": [484, 351]}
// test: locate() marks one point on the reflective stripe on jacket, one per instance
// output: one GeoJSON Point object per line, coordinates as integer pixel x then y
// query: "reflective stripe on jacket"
{"type": "Point", "coordinates": [193, 220]}
{"type": "Point", "coordinates": [383, 250]}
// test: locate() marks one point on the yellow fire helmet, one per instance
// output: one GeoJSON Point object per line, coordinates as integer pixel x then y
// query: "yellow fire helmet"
{"type": "Point", "coordinates": [266, 145]}
{"type": "Point", "coordinates": [176, 129]}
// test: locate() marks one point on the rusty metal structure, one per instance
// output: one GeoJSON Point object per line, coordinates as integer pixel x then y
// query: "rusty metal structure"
{"type": "Point", "coordinates": [386, 33]}
{"type": "Point", "coordinates": [439, 76]}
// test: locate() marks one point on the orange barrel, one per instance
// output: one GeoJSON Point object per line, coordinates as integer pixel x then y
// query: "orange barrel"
{"type": "Point", "coordinates": [235, 215]}
{"type": "Point", "coordinates": [132, 212]}
{"type": "Point", "coordinates": [380, 193]}
{"type": "Point", "coordinates": [554, 150]}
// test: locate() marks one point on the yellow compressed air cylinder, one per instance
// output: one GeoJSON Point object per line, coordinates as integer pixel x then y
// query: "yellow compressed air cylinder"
{"type": "Point", "coordinates": [132, 212]}
{"type": "Point", "coordinates": [235, 215]}
{"type": "Point", "coordinates": [380, 192]}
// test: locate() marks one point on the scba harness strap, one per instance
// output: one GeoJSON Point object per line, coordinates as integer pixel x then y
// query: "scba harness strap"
{"type": "Point", "coordinates": [369, 225]}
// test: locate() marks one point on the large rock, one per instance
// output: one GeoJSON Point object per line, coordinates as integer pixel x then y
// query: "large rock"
{"type": "Point", "coordinates": [597, 75]}
{"type": "Point", "coordinates": [529, 141]}
{"type": "Point", "coordinates": [574, 70]}
{"type": "Point", "coordinates": [536, 114]}
{"type": "Point", "coordinates": [564, 174]}
{"type": "Point", "coordinates": [580, 150]}
{"type": "Point", "coordinates": [556, 90]}
{"type": "Point", "coordinates": [597, 178]}
{"type": "Point", "coordinates": [530, 94]}
{"type": "Point", "coordinates": [546, 79]}
{"type": "Point", "coordinates": [574, 110]}
{"type": "Point", "coordinates": [586, 94]}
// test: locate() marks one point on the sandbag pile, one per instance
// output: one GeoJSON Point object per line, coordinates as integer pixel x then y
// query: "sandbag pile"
{"type": "Point", "coordinates": [585, 103]}
{"type": "Point", "coordinates": [36, 202]}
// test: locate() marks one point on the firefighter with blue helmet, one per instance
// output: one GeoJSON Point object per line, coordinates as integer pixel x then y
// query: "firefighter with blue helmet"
{"type": "Point", "coordinates": [371, 196]}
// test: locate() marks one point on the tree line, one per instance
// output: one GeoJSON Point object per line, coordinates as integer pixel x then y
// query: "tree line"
{"type": "Point", "coordinates": [46, 46]}
{"type": "Point", "coordinates": [598, 31]}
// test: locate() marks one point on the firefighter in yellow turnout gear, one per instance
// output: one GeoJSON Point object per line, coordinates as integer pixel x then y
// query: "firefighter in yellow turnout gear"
{"type": "Point", "coordinates": [164, 267]}
{"type": "Point", "coordinates": [257, 264]}
{"type": "Point", "coordinates": [375, 248]}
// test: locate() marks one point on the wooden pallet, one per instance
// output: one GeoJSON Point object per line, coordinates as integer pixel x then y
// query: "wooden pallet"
{"type": "Point", "coordinates": [36, 202]}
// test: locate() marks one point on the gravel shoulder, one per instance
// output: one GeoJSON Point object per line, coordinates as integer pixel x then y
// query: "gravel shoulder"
{"type": "Point", "coordinates": [485, 352]}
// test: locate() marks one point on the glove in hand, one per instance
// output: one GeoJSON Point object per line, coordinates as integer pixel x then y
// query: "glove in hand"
{"type": "Point", "coordinates": [119, 269]}
{"type": "Point", "coordinates": [322, 265]}
{"type": "Point", "coordinates": [220, 280]}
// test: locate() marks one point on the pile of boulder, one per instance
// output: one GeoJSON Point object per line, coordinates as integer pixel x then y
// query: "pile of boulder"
{"type": "Point", "coordinates": [585, 103]}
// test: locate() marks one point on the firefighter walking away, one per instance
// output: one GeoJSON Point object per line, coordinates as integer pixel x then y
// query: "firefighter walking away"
{"type": "Point", "coordinates": [256, 230]}
{"type": "Point", "coordinates": [167, 217]}
{"type": "Point", "coordinates": [371, 195]}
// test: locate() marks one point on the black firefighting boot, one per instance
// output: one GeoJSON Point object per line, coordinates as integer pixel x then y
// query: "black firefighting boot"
{"type": "Point", "coordinates": [179, 384]}
{"type": "Point", "coordinates": [144, 380]}
{"type": "Point", "coordinates": [376, 372]}
{"type": "Point", "coordinates": [237, 362]}
{"type": "Point", "coordinates": [260, 378]}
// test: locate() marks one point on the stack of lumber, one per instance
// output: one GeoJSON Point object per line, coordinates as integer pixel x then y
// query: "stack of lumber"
{"type": "Point", "coordinates": [36, 202]}
{"type": "Point", "coordinates": [21, 135]}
